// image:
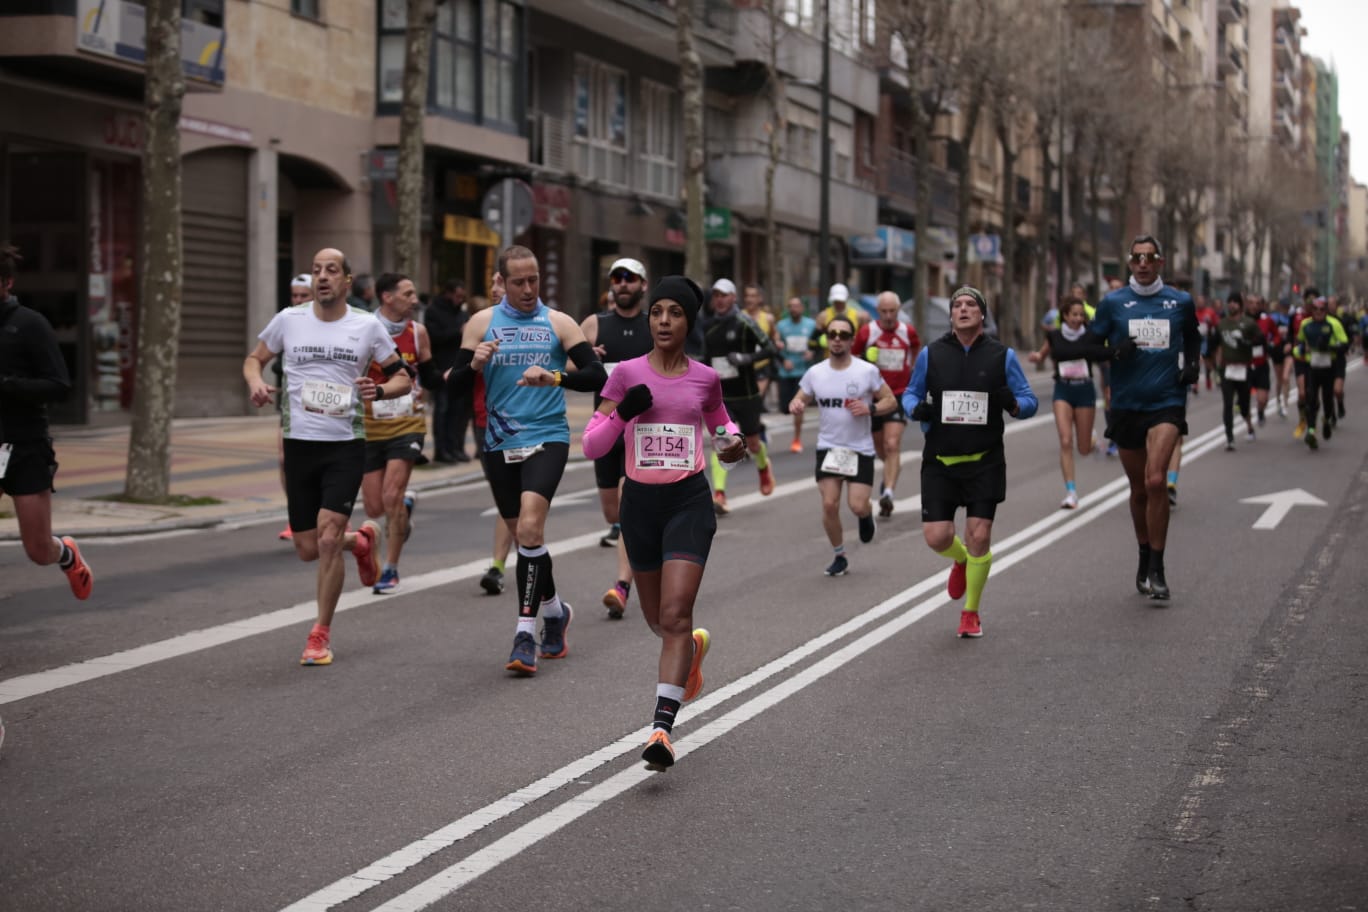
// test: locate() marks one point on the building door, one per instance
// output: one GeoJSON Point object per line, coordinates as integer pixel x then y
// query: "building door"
{"type": "Point", "coordinates": [41, 213]}
{"type": "Point", "coordinates": [213, 336]}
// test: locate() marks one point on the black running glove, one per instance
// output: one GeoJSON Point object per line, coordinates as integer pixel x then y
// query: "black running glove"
{"type": "Point", "coordinates": [1004, 399]}
{"type": "Point", "coordinates": [636, 400]}
{"type": "Point", "coordinates": [923, 412]}
{"type": "Point", "coordinates": [1189, 374]}
{"type": "Point", "coordinates": [1125, 350]}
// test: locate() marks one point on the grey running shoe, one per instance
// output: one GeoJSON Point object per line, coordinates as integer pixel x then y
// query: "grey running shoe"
{"type": "Point", "coordinates": [524, 657]}
{"type": "Point", "coordinates": [838, 566]}
{"type": "Point", "coordinates": [554, 644]}
{"type": "Point", "coordinates": [492, 582]}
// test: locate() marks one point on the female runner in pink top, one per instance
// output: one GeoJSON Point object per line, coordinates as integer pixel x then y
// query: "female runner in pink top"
{"type": "Point", "coordinates": [663, 401]}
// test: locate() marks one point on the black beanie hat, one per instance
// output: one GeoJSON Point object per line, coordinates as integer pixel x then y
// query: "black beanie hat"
{"type": "Point", "coordinates": [684, 291]}
{"type": "Point", "coordinates": [974, 293]}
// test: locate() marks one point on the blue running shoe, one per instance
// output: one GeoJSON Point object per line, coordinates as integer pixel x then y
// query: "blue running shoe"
{"type": "Point", "coordinates": [388, 582]}
{"type": "Point", "coordinates": [867, 528]}
{"type": "Point", "coordinates": [410, 501]}
{"type": "Point", "coordinates": [524, 657]}
{"type": "Point", "coordinates": [553, 644]}
{"type": "Point", "coordinates": [838, 566]}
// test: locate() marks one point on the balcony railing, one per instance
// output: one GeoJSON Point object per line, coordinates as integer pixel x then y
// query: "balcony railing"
{"type": "Point", "coordinates": [901, 181]}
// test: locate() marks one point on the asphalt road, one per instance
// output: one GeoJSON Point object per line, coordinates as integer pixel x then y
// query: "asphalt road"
{"type": "Point", "coordinates": [1094, 750]}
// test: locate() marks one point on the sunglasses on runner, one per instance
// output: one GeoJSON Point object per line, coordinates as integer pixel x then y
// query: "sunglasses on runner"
{"type": "Point", "coordinates": [840, 334]}
{"type": "Point", "coordinates": [1142, 258]}
{"type": "Point", "coordinates": [623, 275]}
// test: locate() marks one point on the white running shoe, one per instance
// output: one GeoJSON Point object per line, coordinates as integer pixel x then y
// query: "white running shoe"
{"type": "Point", "coordinates": [1070, 501]}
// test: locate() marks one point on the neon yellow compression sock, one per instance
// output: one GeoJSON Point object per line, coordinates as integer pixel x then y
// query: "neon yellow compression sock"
{"type": "Point", "coordinates": [976, 577]}
{"type": "Point", "coordinates": [956, 552]}
{"type": "Point", "coordinates": [719, 474]}
{"type": "Point", "coordinates": [762, 457]}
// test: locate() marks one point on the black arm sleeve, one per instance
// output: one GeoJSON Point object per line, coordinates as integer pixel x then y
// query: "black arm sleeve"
{"type": "Point", "coordinates": [395, 367]}
{"type": "Point", "coordinates": [1192, 338]}
{"type": "Point", "coordinates": [428, 374]}
{"type": "Point", "coordinates": [44, 378]}
{"type": "Point", "coordinates": [590, 377]}
{"type": "Point", "coordinates": [1092, 346]}
{"type": "Point", "coordinates": [462, 376]}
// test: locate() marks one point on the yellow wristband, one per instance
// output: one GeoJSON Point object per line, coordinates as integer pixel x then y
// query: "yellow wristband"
{"type": "Point", "coordinates": [557, 375]}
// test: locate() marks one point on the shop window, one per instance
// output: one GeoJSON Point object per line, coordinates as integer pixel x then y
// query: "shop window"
{"type": "Point", "coordinates": [600, 122]}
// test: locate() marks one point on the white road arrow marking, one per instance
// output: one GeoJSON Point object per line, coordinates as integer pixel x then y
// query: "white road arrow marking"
{"type": "Point", "coordinates": [1280, 503]}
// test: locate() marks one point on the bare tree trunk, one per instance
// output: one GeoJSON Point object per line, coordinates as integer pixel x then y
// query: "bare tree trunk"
{"type": "Point", "coordinates": [695, 159]}
{"type": "Point", "coordinates": [921, 142]}
{"type": "Point", "coordinates": [1046, 211]}
{"type": "Point", "coordinates": [966, 195]}
{"type": "Point", "coordinates": [148, 475]}
{"type": "Point", "coordinates": [1094, 229]}
{"type": "Point", "coordinates": [1007, 310]}
{"type": "Point", "coordinates": [408, 242]}
{"type": "Point", "coordinates": [778, 126]}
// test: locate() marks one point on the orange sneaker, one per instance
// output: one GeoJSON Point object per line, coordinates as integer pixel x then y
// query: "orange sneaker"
{"type": "Point", "coordinates": [286, 534]}
{"type": "Point", "coordinates": [317, 650]}
{"type": "Point", "coordinates": [720, 503]}
{"type": "Point", "coordinates": [958, 582]}
{"type": "Point", "coordinates": [694, 682]}
{"type": "Point", "coordinates": [366, 550]}
{"type": "Point", "coordinates": [796, 446]}
{"type": "Point", "coordinates": [659, 752]}
{"type": "Point", "coordinates": [79, 574]}
{"type": "Point", "coordinates": [969, 624]}
{"type": "Point", "coordinates": [766, 481]}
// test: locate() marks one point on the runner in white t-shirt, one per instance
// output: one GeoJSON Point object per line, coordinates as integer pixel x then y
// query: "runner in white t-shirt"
{"type": "Point", "coordinates": [847, 392]}
{"type": "Point", "coordinates": [327, 347]}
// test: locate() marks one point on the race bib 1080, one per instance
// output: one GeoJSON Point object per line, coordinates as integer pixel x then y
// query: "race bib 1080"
{"type": "Point", "coordinates": [331, 399]}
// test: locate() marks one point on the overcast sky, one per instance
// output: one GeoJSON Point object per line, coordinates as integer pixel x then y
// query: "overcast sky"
{"type": "Point", "coordinates": [1337, 32]}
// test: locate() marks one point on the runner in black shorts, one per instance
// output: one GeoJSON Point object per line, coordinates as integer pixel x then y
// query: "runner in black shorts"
{"type": "Point", "coordinates": [733, 342]}
{"type": "Point", "coordinates": [522, 348]}
{"type": "Point", "coordinates": [662, 402]}
{"type": "Point", "coordinates": [327, 348]}
{"type": "Point", "coordinates": [32, 374]}
{"type": "Point", "coordinates": [962, 384]}
{"type": "Point", "coordinates": [618, 334]}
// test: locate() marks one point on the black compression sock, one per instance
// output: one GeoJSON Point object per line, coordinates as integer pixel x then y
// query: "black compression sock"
{"type": "Point", "coordinates": [1156, 559]}
{"type": "Point", "coordinates": [1146, 556]}
{"type": "Point", "coordinates": [666, 710]}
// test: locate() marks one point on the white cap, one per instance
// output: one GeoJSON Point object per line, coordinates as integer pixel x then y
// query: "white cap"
{"type": "Point", "coordinates": [629, 264]}
{"type": "Point", "coordinates": [838, 293]}
{"type": "Point", "coordinates": [725, 286]}
{"type": "Point", "coordinates": [303, 280]}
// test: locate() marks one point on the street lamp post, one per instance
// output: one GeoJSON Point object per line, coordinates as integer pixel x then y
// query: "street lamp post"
{"type": "Point", "coordinates": [824, 206]}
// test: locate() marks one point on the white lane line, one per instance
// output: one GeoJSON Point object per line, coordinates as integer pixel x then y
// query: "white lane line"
{"type": "Point", "coordinates": [462, 872]}
{"type": "Point", "coordinates": [31, 685]}
{"type": "Point", "coordinates": [407, 857]}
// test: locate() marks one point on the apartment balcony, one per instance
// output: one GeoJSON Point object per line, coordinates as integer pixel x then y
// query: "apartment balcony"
{"type": "Point", "coordinates": [649, 25]}
{"type": "Point", "coordinates": [799, 57]}
{"type": "Point", "coordinates": [737, 180]}
{"type": "Point", "coordinates": [1228, 11]}
{"type": "Point", "coordinates": [1284, 49]}
{"type": "Point", "coordinates": [103, 43]}
{"type": "Point", "coordinates": [899, 187]}
{"type": "Point", "coordinates": [1285, 92]}
{"type": "Point", "coordinates": [1286, 129]}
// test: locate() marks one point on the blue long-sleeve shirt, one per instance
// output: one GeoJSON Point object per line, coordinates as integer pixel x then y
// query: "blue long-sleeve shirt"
{"type": "Point", "coordinates": [1027, 403]}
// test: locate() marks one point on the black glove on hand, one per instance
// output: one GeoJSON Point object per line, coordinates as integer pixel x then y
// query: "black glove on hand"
{"type": "Point", "coordinates": [737, 359]}
{"type": "Point", "coordinates": [636, 400]}
{"type": "Point", "coordinates": [1004, 399]}
{"type": "Point", "coordinates": [1125, 350]}
{"type": "Point", "coordinates": [1189, 374]}
{"type": "Point", "coordinates": [923, 412]}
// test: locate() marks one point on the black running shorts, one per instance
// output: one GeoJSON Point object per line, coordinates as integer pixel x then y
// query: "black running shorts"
{"type": "Point", "coordinates": [898, 416]}
{"type": "Point", "coordinates": [408, 447]}
{"type": "Point", "coordinates": [1259, 377]}
{"type": "Point", "coordinates": [32, 466]}
{"type": "Point", "coordinates": [1129, 428]}
{"type": "Point", "coordinates": [662, 522]}
{"type": "Point", "coordinates": [321, 475]}
{"type": "Point", "coordinates": [609, 469]}
{"type": "Point", "coordinates": [746, 413]}
{"type": "Point", "coordinates": [864, 473]}
{"type": "Point", "coordinates": [977, 486]}
{"type": "Point", "coordinates": [539, 473]}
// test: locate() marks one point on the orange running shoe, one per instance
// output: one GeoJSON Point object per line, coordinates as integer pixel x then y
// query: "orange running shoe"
{"type": "Point", "coordinates": [659, 752]}
{"type": "Point", "coordinates": [796, 446]}
{"type": "Point", "coordinates": [969, 624]}
{"type": "Point", "coordinates": [766, 481]}
{"type": "Point", "coordinates": [79, 574]}
{"type": "Point", "coordinates": [693, 684]}
{"type": "Point", "coordinates": [720, 503]}
{"type": "Point", "coordinates": [366, 549]}
{"type": "Point", "coordinates": [286, 534]}
{"type": "Point", "coordinates": [615, 600]}
{"type": "Point", "coordinates": [958, 582]}
{"type": "Point", "coordinates": [317, 650]}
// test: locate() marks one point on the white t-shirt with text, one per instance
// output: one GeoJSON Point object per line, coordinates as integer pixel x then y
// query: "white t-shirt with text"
{"type": "Point", "coordinates": [837, 427]}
